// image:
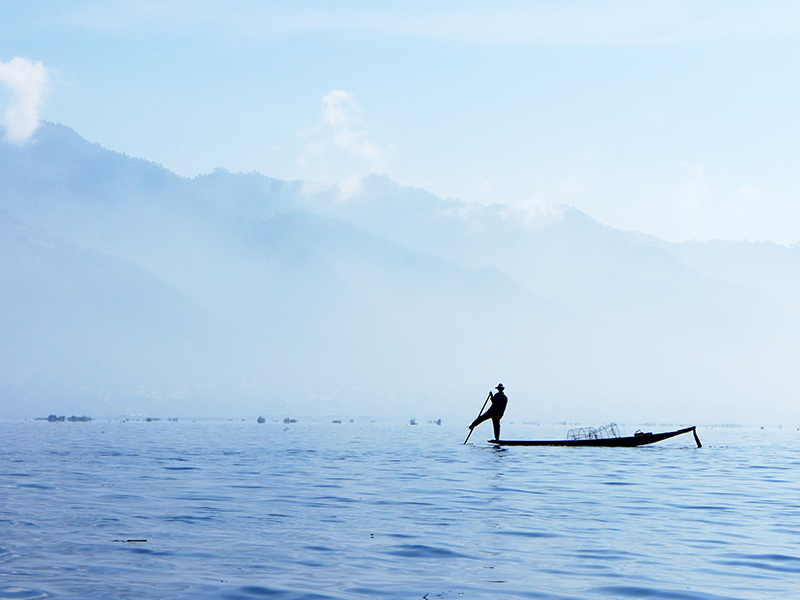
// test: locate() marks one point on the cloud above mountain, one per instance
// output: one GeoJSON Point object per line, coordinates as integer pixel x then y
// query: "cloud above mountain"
{"type": "Point", "coordinates": [339, 111]}
{"type": "Point", "coordinates": [27, 83]}
{"type": "Point", "coordinates": [342, 139]}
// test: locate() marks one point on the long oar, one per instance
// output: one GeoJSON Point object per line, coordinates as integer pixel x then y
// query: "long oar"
{"type": "Point", "coordinates": [479, 414]}
{"type": "Point", "coordinates": [696, 439]}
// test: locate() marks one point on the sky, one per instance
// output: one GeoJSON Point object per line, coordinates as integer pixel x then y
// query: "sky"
{"type": "Point", "coordinates": [678, 119]}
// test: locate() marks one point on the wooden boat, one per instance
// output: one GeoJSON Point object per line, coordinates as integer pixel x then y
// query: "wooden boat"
{"type": "Point", "coordinates": [638, 439]}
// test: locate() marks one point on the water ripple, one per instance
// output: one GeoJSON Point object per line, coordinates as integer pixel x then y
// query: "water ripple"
{"type": "Point", "coordinates": [423, 551]}
{"type": "Point", "coordinates": [621, 591]}
{"type": "Point", "coordinates": [254, 592]}
{"type": "Point", "coordinates": [6, 555]}
{"type": "Point", "coordinates": [530, 534]}
{"type": "Point", "coordinates": [768, 562]}
{"type": "Point", "coordinates": [19, 593]}
{"type": "Point", "coordinates": [380, 512]}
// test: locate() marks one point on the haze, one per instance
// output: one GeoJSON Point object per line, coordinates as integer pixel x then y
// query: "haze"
{"type": "Point", "coordinates": [349, 209]}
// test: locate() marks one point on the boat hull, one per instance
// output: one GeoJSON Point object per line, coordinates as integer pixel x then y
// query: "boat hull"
{"type": "Point", "coordinates": [620, 442]}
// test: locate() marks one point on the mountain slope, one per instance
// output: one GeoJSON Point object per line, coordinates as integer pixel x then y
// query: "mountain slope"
{"type": "Point", "coordinates": [380, 298]}
{"type": "Point", "coordinates": [81, 325]}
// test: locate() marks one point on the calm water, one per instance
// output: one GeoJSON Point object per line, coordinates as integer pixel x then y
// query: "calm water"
{"type": "Point", "coordinates": [363, 510]}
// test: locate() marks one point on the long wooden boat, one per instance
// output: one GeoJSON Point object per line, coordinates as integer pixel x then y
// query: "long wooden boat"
{"type": "Point", "coordinates": [639, 439]}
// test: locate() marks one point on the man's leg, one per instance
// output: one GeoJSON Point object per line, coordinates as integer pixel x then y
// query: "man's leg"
{"type": "Point", "coordinates": [484, 417]}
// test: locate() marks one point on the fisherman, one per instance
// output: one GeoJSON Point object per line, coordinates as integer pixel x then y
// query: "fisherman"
{"type": "Point", "coordinates": [495, 412]}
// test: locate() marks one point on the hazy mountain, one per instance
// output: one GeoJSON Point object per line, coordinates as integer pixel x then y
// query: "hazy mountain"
{"type": "Point", "coordinates": [770, 268]}
{"type": "Point", "coordinates": [80, 327]}
{"type": "Point", "coordinates": [247, 293]}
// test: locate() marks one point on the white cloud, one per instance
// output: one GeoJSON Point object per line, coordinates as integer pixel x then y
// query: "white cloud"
{"type": "Point", "coordinates": [340, 111]}
{"type": "Point", "coordinates": [534, 211]}
{"type": "Point", "coordinates": [351, 186]}
{"type": "Point", "coordinates": [27, 81]}
{"type": "Point", "coordinates": [336, 105]}
{"type": "Point", "coordinates": [340, 146]}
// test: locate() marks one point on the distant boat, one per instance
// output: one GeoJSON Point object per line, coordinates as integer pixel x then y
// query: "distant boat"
{"type": "Point", "coordinates": [638, 439]}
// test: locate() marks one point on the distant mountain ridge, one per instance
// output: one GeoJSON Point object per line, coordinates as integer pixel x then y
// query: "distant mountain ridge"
{"type": "Point", "coordinates": [74, 321]}
{"type": "Point", "coordinates": [372, 297]}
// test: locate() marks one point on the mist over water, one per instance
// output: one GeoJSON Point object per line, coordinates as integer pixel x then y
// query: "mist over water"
{"type": "Point", "coordinates": [127, 289]}
{"type": "Point", "coordinates": [234, 509]}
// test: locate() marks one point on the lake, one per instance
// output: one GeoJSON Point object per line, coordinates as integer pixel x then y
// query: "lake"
{"type": "Point", "coordinates": [312, 510]}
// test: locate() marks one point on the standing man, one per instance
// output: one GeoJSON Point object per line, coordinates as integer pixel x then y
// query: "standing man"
{"type": "Point", "coordinates": [495, 412]}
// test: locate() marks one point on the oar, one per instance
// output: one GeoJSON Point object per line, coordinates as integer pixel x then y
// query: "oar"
{"type": "Point", "coordinates": [479, 414]}
{"type": "Point", "coordinates": [696, 439]}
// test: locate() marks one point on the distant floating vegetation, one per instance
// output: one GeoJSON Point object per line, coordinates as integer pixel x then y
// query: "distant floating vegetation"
{"type": "Point", "coordinates": [62, 418]}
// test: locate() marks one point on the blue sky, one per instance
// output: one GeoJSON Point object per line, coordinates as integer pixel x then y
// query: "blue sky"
{"type": "Point", "coordinates": [678, 119]}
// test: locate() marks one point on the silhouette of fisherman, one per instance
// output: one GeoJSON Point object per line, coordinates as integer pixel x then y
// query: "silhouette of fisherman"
{"type": "Point", "coordinates": [495, 412]}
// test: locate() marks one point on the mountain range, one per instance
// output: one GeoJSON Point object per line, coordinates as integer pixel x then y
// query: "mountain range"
{"type": "Point", "coordinates": [126, 288]}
